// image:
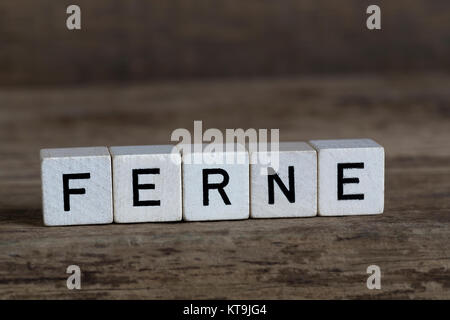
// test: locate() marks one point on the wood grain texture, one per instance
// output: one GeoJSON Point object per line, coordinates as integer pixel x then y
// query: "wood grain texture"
{"type": "Point", "coordinates": [283, 258]}
{"type": "Point", "coordinates": [133, 40]}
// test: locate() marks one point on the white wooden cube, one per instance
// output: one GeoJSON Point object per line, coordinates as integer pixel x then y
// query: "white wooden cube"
{"type": "Point", "coordinates": [146, 183]}
{"type": "Point", "coordinates": [351, 177]}
{"type": "Point", "coordinates": [76, 186]}
{"type": "Point", "coordinates": [215, 183]}
{"type": "Point", "coordinates": [287, 187]}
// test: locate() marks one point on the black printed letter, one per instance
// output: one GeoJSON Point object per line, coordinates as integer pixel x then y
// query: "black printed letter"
{"type": "Point", "coordinates": [149, 186]}
{"type": "Point", "coordinates": [289, 193]}
{"type": "Point", "coordinates": [341, 181]}
{"type": "Point", "coordinates": [67, 191]}
{"type": "Point", "coordinates": [219, 186]}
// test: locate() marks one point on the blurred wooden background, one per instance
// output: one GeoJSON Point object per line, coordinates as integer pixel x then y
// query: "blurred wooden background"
{"type": "Point", "coordinates": [309, 68]}
{"type": "Point", "coordinates": [314, 258]}
{"type": "Point", "coordinates": [146, 40]}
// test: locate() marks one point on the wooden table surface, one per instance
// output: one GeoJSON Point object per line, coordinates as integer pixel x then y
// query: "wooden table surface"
{"type": "Point", "coordinates": [253, 259]}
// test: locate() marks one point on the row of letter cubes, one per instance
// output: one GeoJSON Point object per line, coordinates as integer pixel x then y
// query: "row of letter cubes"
{"type": "Point", "coordinates": [130, 184]}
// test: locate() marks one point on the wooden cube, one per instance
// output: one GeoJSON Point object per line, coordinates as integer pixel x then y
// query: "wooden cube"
{"type": "Point", "coordinates": [76, 186]}
{"type": "Point", "coordinates": [288, 191]}
{"type": "Point", "coordinates": [351, 177]}
{"type": "Point", "coordinates": [146, 183]}
{"type": "Point", "coordinates": [215, 184]}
